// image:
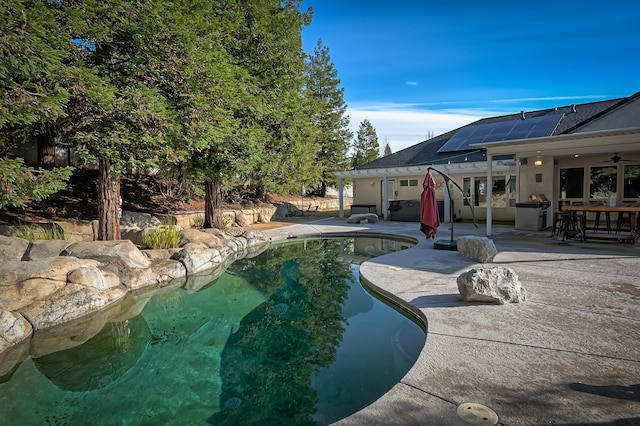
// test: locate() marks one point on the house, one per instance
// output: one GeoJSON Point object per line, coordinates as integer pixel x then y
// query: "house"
{"type": "Point", "coordinates": [576, 154]}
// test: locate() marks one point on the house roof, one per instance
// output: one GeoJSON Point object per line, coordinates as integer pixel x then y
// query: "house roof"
{"type": "Point", "coordinates": [574, 117]}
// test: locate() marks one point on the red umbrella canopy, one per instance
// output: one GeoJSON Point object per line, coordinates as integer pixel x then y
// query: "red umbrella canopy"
{"type": "Point", "coordinates": [429, 217]}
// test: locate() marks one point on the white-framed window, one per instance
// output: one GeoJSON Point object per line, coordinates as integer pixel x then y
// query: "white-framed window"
{"type": "Point", "coordinates": [408, 182]}
{"type": "Point", "coordinates": [503, 192]}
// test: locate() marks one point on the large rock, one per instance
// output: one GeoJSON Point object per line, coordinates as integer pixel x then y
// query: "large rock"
{"type": "Point", "coordinates": [122, 249]}
{"type": "Point", "coordinates": [493, 285]}
{"type": "Point", "coordinates": [15, 333]}
{"type": "Point", "coordinates": [12, 248]}
{"type": "Point", "coordinates": [245, 217]}
{"type": "Point", "coordinates": [138, 220]}
{"type": "Point", "coordinates": [207, 239]}
{"type": "Point", "coordinates": [44, 249]}
{"type": "Point", "coordinates": [57, 289]}
{"type": "Point", "coordinates": [71, 302]}
{"type": "Point", "coordinates": [363, 218]}
{"type": "Point", "coordinates": [79, 230]}
{"type": "Point", "coordinates": [197, 258]}
{"type": "Point", "coordinates": [480, 249]}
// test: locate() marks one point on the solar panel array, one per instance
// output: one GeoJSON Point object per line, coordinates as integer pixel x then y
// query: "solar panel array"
{"type": "Point", "coordinates": [534, 127]}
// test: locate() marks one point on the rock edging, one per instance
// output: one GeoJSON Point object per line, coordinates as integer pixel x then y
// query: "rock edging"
{"type": "Point", "coordinates": [47, 285]}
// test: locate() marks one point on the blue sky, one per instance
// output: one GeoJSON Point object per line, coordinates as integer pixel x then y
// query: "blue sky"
{"type": "Point", "coordinates": [415, 68]}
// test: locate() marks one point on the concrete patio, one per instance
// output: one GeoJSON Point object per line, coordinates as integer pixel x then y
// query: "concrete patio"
{"type": "Point", "coordinates": [569, 355]}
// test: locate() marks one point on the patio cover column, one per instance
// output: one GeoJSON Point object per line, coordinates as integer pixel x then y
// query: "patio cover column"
{"type": "Point", "coordinates": [385, 198]}
{"type": "Point", "coordinates": [489, 193]}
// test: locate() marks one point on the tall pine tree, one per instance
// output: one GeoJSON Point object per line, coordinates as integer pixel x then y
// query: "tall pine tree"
{"type": "Point", "coordinates": [366, 147]}
{"type": "Point", "coordinates": [328, 116]}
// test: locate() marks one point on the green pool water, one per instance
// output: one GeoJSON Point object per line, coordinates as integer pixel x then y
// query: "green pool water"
{"type": "Point", "coordinates": [288, 337]}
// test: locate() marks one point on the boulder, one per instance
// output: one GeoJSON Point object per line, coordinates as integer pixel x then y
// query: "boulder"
{"type": "Point", "coordinates": [245, 217]}
{"type": "Point", "coordinates": [44, 249]}
{"type": "Point", "coordinates": [15, 333]}
{"type": "Point", "coordinates": [79, 230]}
{"type": "Point", "coordinates": [492, 285]}
{"type": "Point", "coordinates": [165, 271]}
{"type": "Point", "coordinates": [12, 248]}
{"type": "Point", "coordinates": [57, 289]}
{"type": "Point", "coordinates": [197, 258]}
{"type": "Point", "coordinates": [137, 220]}
{"type": "Point", "coordinates": [121, 249]}
{"type": "Point", "coordinates": [363, 218]}
{"type": "Point", "coordinates": [205, 239]}
{"type": "Point", "coordinates": [479, 249]}
{"type": "Point", "coordinates": [70, 302]}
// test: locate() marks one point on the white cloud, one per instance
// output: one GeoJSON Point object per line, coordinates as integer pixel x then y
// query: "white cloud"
{"type": "Point", "coordinates": [404, 125]}
{"type": "Point", "coordinates": [412, 83]}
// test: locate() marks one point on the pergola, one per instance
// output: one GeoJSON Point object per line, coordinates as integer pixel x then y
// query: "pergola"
{"type": "Point", "coordinates": [561, 146]}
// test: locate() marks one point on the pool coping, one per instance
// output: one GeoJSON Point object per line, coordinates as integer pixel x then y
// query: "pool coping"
{"type": "Point", "coordinates": [565, 356]}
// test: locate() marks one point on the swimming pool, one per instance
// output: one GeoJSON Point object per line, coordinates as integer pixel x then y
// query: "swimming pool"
{"type": "Point", "coordinates": [286, 337]}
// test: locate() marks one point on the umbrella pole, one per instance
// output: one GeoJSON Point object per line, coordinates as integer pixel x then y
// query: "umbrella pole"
{"type": "Point", "coordinates": [451, 245]}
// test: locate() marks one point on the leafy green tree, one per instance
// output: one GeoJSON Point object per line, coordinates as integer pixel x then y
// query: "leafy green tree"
{"type": "Point", "coordinates": [366, 147]}
{"type": "Point", "coordinates": [206, 89]}
{"type": "Point", "coordinates": [327, 115]}
{"type": "Point", "coordinates": [32, 50]}
{"type": "Point", "coordinates": [267, 45]}
{"type": "Point", "coordinates": [32, 95]}
{"type": "Point", "coordinates": [116, 119]}
{"type": "Point", "coordinates": [19, 184]}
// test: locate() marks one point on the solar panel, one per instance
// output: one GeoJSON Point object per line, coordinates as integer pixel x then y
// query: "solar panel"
{"type": "Point", "coordinates": [534, 127]}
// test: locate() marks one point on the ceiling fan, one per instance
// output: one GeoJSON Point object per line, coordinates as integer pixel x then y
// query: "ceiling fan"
{"type": "Point", "coordinates": [616, 159]}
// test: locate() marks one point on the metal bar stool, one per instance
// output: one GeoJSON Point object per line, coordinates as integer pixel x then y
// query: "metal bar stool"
{"type": "Point", "coordinates": [596, 224]}
{"type": "Point", "coordinates": [558, 220]}
{"type": "Point", "coordinates": [623, 219]}
{"type": "Point", "coordinates": [574, 225]}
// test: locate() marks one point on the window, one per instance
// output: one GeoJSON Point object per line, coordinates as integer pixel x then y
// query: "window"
{"type": "Point", "coordinates": [572, 183]}
{"type": "Point", "coordinates": [466, 187]}
{"type": "Point", "coordinates": [480, 192]}
{"type": "Point", "coordinates": [409, 182]}
{"type": "Point", "coordinates": [499, 192]}
{"type": "Point", "coordinates": [512, 190]}
{"type": "Point", "coordinates": [603, 182]}
{"type": "Point", "coordinates": [631, 185]}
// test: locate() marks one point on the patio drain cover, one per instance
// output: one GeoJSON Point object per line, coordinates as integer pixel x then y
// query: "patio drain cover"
{"type": "Point", "coordinates": [477, 414]}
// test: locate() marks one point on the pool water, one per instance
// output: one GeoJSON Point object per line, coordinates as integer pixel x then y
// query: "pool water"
{"type": "Point", "coordinates": [286, 337]}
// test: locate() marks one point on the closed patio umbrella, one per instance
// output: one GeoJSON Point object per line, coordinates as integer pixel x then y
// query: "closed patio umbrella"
{"type": "Point", "coordinates": [429, 217]}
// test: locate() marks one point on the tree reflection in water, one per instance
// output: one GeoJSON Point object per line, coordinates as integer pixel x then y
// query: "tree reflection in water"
{"type": "Point", "coordinates": [268, 363]}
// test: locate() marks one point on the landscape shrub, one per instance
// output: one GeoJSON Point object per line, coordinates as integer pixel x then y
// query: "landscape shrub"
{"type": "Point", "coordinates": [35, 232]}
{"type": "Point", "coordinates": [162, 237]}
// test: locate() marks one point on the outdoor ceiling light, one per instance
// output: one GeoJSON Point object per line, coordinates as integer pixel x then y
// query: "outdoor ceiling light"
{"type": "Point", "coordinates": [537, 162]}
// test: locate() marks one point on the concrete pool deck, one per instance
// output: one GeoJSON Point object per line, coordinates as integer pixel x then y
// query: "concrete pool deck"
{"type": "Point", "coordinates": [569, 355]}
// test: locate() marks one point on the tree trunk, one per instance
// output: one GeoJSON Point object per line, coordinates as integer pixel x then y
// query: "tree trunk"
{"type": "Point", "coordinates": [260, 192]}
{"type": "Point", "coordinates": [213, 204]}
{"type": "Point", "coordinates": [109, 203]}
{"type": "Point", "coordinates": [46, 147]}
{"type": "Point", "coordinates": [323, 185]}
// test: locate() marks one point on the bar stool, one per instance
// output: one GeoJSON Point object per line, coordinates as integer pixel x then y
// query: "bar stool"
{"type": "Point", "coordinates": [574, 225]}
{"type": "Point", "coordinates": [558, 220]}
{"type": "Point", "coordinates": [623, 219]}
{"type": "Point", "coordinates": [607, 217]}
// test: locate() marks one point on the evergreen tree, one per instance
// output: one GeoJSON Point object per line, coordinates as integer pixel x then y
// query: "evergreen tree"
{"type": "Point", "coordinates": [33, 95]}
{"type": "Point", "coordinates": [116, 118]}
{"type": "Point", "coordinates": [366, 147]}
{"type": "Point", "coordinates": [331, 126]}
{"type": "Point", "coordinates": [269, 47]}
{"type": "Point", "coordinates": [387, 148]}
